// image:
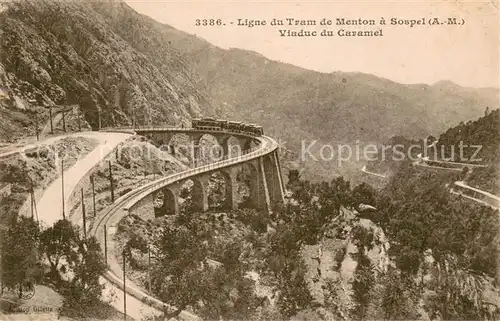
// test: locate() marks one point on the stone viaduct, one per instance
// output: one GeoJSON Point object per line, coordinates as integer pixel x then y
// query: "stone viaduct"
{"type": "Point", "coordinates": [258, 155]}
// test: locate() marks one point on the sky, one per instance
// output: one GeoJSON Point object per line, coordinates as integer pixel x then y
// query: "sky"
{"type": "Point", "coordinates": [466, 54]}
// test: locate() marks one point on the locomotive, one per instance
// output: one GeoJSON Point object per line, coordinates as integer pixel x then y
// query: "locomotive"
{"type": "Point", "coordinates": [209, 123]}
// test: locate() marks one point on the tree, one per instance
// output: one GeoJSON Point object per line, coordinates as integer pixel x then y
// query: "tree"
{"type": "Point", "coordinates": [136, 242]}
{"type": "Point", "coordinates": [458, 293]}
{"type": "Point", "coordinates": [464, 173]}
{"type": "Point", "coordinates": [293, 176]}
{"type": "Point", "coordinates": [363, 237]}
{"type": "Point", "coordinates": [19, 256]}
{"type": "Point", "coordinates": [284, 261]}
{"type": "Point", "coordinates": [217, 194]}
{"type": "Point", "coordinates": [84, 290]}
{"type": "Point", "coordinates": [294, 295]}
{"type": "Point", "coordinates": [257, 220]}
{"type": "Point", "coordinates": [341, 191]}
{"type": "Point", "coordinates": [364, 280]}
{"type": "Point", "coordinates": [75, 266]}
{"type": "Point", "coordinates": [400, 297]}
{"type": "Point", "coordinates": [315, 206]}
{"type": "Point", "coordinates": [182, 275]}
{"type": "Point", "coordinates": [59, 244]}
{"type": "Point", "coordinates": [363, 194]}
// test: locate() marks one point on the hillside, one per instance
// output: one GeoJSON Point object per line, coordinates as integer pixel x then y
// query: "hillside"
{"type": "Point", "coordinates": [484, 134]}
{"type": "Point", "coordinates": [372, 109]}
{"type": "Point", "coordinates": [64, 52]}
{"type": "Point", "coordinates": [120, 66]}
{"type": "Point", "coordinates": [480, 141]}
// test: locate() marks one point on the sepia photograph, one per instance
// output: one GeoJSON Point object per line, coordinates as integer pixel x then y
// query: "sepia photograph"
{"type": "Point", "coordinates": [254, 160]}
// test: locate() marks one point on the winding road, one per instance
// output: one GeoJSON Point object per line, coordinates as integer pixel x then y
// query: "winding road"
{"type": "Point", "coordinates": [47, 208]}
{"type": "Point", "coordinates": [479, 196]}
{"type": "Point", "coordinates": [33, 146]}
{"type": "Point", "coordinates": [364, 170]}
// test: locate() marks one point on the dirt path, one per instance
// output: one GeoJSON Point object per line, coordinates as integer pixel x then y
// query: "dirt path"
{"type": "Point", "coordinates": [49, 205]}
{"type": "Point", "coordinates": [32, 143]}
{"type": "Point", "coordinates": [50, 209]}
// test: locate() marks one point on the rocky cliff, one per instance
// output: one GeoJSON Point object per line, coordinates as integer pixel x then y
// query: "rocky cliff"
{"type": "Point", "coordinates": [66, 52]}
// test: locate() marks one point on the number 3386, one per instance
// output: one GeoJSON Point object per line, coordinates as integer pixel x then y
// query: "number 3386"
{"type": "Point", "coordinates": [208, 22]}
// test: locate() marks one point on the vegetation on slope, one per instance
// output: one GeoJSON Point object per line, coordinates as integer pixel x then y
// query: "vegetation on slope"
{"type": "Point", "coordinates": [435, 233]}
{"type": "Point", "coordinates": [475, 141]}
{"type": "Point", "coordinates": [22, 173]}
{"type": "Point", "coordinates": [484, 132]}
{"type": "Point", "coordinates": [418, 213]}
{"type": "Point", "coordinates": [64, 52]}
{"type": "Point", "coordinates": [482, 140]}
{"type": "Point", "coordinates": [202, 261]}
{"type": "Point", "coordinates": [58, 257]}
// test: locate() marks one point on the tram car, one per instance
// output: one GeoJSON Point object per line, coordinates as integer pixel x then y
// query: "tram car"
{"type": "Point", "coordinates": [257, 130]}
{"type": "Point", "coordinates": [235, 126]}
{"type": "Point", "coordinates": [209, 123]}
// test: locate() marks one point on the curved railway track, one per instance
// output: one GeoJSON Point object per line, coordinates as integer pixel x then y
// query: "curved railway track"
{"type": "Point", "coordinates": [114, 213]}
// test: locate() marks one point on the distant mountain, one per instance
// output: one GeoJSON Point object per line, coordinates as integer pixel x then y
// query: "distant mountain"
{"type": "Point", "coordinates": [295, 104]}
{"type": "Point", "coordinates": [339, 106]}
{"type": "Point", "coordinates": [123, 66]}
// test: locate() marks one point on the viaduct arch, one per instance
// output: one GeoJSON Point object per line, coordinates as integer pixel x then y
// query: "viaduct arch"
{"type": "Point", "coordinates": [266, 186]}
{"type": "Point", "coordinates": [265, 181]}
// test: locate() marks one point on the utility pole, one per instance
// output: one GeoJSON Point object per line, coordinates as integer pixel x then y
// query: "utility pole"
{"type": "Point", "coordinates": [133, 117]}
{"type": "Point", "coordinates": [105, 244]}
{"type": "Point", "coordinates": [62, 187]}
{"type": "Point", "coordinates": [124, 291]}
{"type": "Point", "coordinates": [99, 117]}
{"type": "Point", "coordinates": [149, 269]}
{"type": "Point", "coordinates": [79, 120]}
{"type": "Point", "coordinates": [51, 125]}
{"type": "Point", "coordinates": [36, 126]}
{"type": "Point", "coordinates": [111, 183]}
{"type": "Point", "coordinates": [34, 205]}
{"type": "Point", "coordinates": [32, 200]}
{"type": "Point", "coordinates": [93, 193]}
{"type": "Point", "coordinates": [84, 218]}
{"type": "Point", "coordinates": [64, 120]}
{"type": "Point", "coordinates": [149, 115]}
